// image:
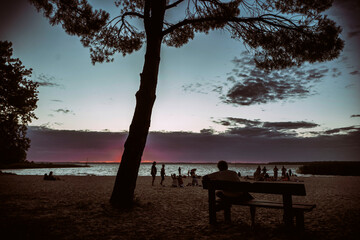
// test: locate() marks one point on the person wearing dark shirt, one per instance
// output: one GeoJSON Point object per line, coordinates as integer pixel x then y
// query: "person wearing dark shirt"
{"type": "Point", "coordinates": [153, 172]}
{"type": "Point", "coordinates": [227, 175]}
{"type": "Point", "coordinates": [162, 174]}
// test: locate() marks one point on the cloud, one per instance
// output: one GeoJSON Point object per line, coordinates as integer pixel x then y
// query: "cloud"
{"type": "Point", "coordinates": [290, 125]}
{"type": "Point", "coordinates": [48, 84]}
{"type": "Point", "coordinates": [349, 86]}
{"type": "Point", "coordinates": [257, 128]}
{"type": "Point", "coordinates": [207, 131]}
{"type": "Point", "coordinates": [46, 81]}
{"type": "Point", "coordinates": [355, 115]}
{"type": "Point", "coordinates": [230, 121]}
{"type": "Point", "coordinates": [202, 88]}
{"type": "Point", "coordinates": [248, 85]}
{"type": "Point", "coordinates": [355, 72]}
{"type": "Point", "coordinates": [346, 13]}
{"type": "Point", "coordinates": [64, 111]}
{"type": "Point", "coordinates": [348, 10]}
{"type": "Point", "coordinates": [56, 100]}
{"type": "Point", "coordinates": [251, 85]}
{"type": "Point", "coordinates": [257, 132]}
{"type": "Point", "coordinates": [62, 145]}
{"type": "Point", "coordinates": [344, 130]}
{"type": "Point", "coordinates": [354, 34]}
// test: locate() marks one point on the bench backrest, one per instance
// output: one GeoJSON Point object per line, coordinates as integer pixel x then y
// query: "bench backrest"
{"type": "Point", "coordinates": [296, 189]}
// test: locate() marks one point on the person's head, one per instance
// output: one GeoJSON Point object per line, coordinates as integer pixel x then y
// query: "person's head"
{"type": "Point", "coordinates": [154, 163]}
{"type": "Point", "coordinates": [222, 165]}
{"type": "Point", "coordinates": [51, 173]}
{"type": "Point", "coordinates": [163, 165]}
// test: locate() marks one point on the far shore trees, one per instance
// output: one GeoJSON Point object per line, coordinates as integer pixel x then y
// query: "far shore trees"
{"type": "Point", "coordinates": [280, 34]}
{"type": "Point", "coordinates": [18, 98]}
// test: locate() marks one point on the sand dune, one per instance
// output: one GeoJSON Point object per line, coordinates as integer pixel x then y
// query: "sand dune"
{"type": "Point", "coordinates": [77, 208]}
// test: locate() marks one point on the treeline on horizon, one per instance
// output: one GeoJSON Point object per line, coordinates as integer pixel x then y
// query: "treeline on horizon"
{"type": "Point", "coordinates": [27, 165]}
{"type": "Point", "coordinates": [331, 168]}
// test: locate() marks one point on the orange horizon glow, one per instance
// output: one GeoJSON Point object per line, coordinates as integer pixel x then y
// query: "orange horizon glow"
{"type": "Point", "coordinates": [171, 162]}
{"type": "Point", "coordinates": [118, 161]}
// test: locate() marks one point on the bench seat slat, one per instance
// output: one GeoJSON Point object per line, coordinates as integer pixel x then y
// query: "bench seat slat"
{"type": "Point", "coordinates": [277, 205]}
{"type": "Point", "coordinates": [295, 189]}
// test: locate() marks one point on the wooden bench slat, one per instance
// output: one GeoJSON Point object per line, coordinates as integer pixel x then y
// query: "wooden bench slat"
{"type": "Point", "coordinates": [295, 189]}
{"type": "Point", "coordinates": [277, 205]}
{"type": "Point", "coordinates": [270, 204]}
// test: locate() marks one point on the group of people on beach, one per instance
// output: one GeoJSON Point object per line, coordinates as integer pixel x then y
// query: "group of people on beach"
{"type": "Point", "coordinates": [262, 174]}
{"type": "Point", "coordinates": [177, 180]}
{"type": "Point", "coordinates": [50, 176]}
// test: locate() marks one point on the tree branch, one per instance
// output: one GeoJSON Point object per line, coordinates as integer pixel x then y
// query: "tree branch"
{"type": "Point", "coordinates": [229, 19]}
{"type": "Point", "coordinates": [136, 14]}
{"type": "Point", "coordinates": [174, 4]}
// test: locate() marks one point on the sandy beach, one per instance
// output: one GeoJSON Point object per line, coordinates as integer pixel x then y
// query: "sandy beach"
{"type": "Point", "coordinates": [78, 208]}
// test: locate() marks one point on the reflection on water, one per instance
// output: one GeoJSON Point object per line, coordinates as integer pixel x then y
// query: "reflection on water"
{"type": "Point", "coordinates": [110, 169]}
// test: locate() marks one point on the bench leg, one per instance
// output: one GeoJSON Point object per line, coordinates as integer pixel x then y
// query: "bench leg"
{"type": "Point", "coordinates": [288, 218]}
{"type": "Point", "coordinates": [212, 214]}
{"type": "Point", "coordinates": [212, 207]}
{"type": "Point", "coordinates": [252, 213]}
{"type": "Point", "coordinates": [227, 213]}
{"type": "Point", "coordinates": [300, 220]}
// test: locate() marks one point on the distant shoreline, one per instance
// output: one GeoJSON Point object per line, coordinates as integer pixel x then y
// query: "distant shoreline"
{"type": "Point", "coordinates": [83, 163]}
{"type": "Point", "coordinates": [305, 168]}
{"type": "Point", "coordinates": [40, 165]}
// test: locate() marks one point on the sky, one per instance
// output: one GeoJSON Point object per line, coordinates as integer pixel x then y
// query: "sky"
{"type": "Point", "coordinates": [84, 110]}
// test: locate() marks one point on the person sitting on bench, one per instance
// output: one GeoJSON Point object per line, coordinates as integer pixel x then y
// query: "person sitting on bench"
{"type": "Point", "coordinates": [227, 175]}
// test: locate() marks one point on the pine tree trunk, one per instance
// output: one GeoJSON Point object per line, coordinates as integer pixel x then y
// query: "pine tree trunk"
{"type": "Point", "coordinates": [125, 183]}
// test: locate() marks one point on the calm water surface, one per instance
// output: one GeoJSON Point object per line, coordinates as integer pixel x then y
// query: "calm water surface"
{"type": "Point", "coordinates": [110, 169]}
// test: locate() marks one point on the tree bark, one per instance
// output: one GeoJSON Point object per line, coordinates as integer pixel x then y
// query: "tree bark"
{"type": "Point", "coordinates": [125, 183]}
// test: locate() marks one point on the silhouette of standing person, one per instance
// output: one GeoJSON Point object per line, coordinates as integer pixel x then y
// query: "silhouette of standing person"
{"type": "Point", "coordinates": [180, 181]}
{"type": "Point", "coordinates": [193, 176]}
{"type": "Point", "coordinates": [257, 173]}
{"type": "Point", "coordinates": [162, 173]}
{"type": "Point", "coordinates": [258, 169]}
{"type": "Point", "coordinates": [179, 171]}
{"type": "Point", "coordinates": [153, 172]}
{"type": "Point", "coordinates": [275, 172]}
{"type": "Point", "coordinates": [283, 171]}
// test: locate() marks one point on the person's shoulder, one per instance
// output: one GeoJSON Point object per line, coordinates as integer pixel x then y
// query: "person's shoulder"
{"type": "Point", "coordinates": [226, 175]}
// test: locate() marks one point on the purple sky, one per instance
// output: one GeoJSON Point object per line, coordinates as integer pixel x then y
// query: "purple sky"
{"type": "Point", "coordinates": [266, 144]}
{"type": "Point", "coordinates": [207, 108]}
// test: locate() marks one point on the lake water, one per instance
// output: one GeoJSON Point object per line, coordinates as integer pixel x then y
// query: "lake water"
{"type": "Point", "coordinates": [110, 169]}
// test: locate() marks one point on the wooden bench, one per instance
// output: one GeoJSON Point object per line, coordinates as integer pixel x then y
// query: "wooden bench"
{"type": "Point", "coordinates": [287, 190]}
